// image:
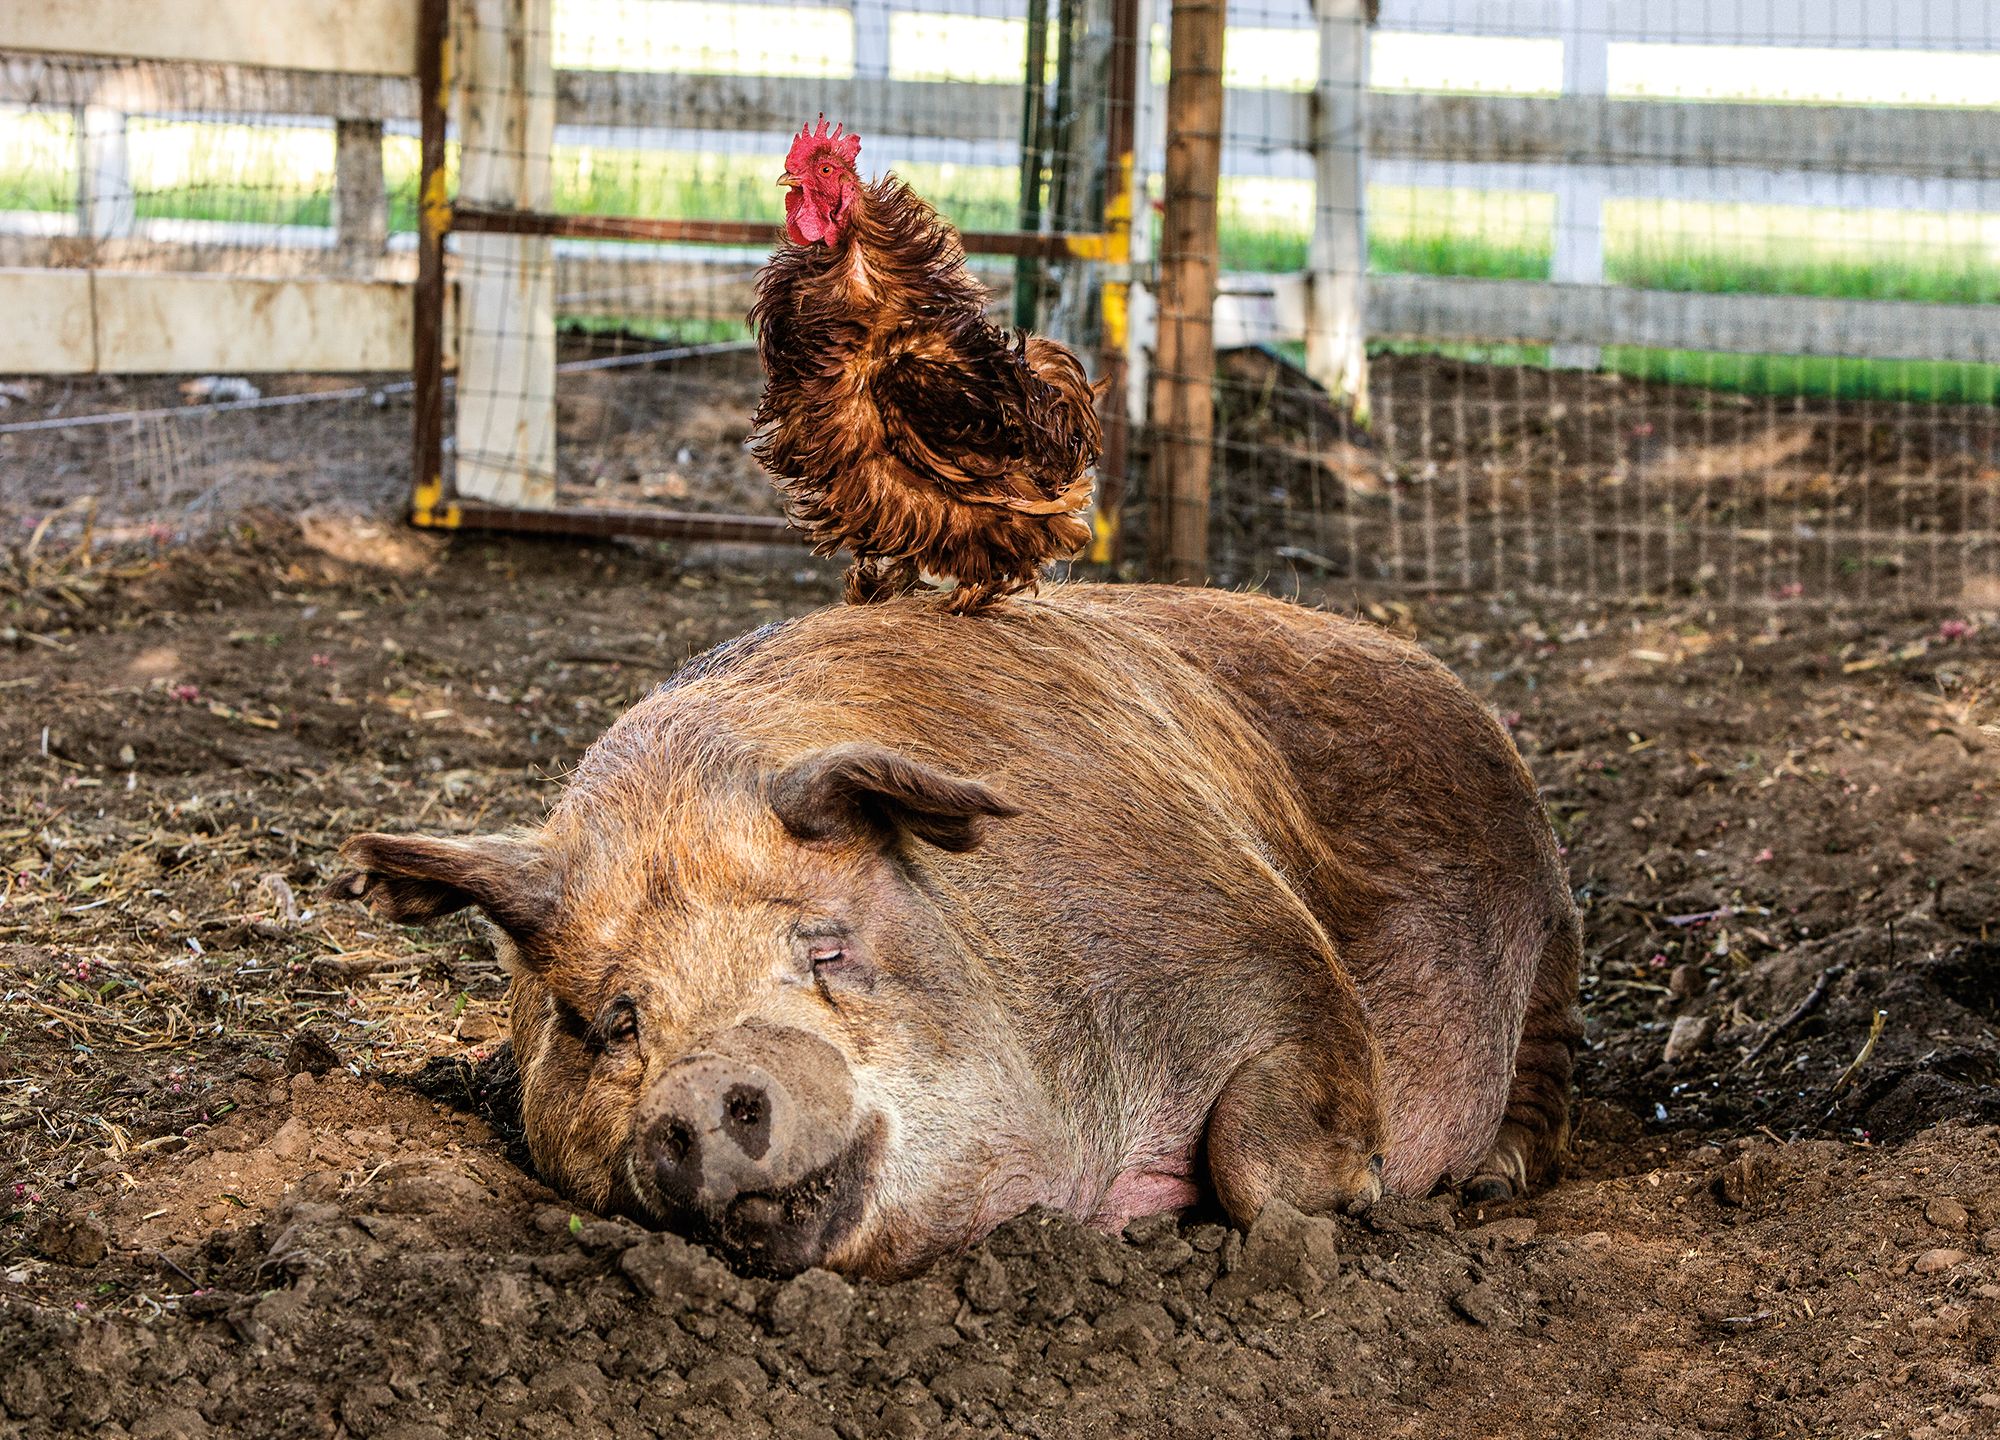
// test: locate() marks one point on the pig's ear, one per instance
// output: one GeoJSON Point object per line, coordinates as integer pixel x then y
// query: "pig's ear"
{"type": "Point", "coordinates": [868, 787]}
{"type": "Point", "coordinates": [413, 878]}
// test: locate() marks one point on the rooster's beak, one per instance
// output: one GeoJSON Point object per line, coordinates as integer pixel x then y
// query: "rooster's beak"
{"type": "Point", "coordinates": [789, 180]}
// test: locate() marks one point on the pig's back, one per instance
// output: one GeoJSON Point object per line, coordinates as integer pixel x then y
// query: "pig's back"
{"type": "Point", "coordinates": [1348, 751]}
{"type": "Point", "coordinates": [1379, 739]}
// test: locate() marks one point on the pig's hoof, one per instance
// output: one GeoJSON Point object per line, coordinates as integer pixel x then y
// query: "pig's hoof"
{"type": "Point", "coordinates": [1503, 1175]}
{"type": "Point", "coordinates": [1368, 1190]}
{"type": "Point", "coordinates": [1486, 1190]}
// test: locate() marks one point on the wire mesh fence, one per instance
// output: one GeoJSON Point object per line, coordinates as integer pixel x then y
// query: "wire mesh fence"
{"type": "Point", "coordinates": [1667, 298]}
{"type": "Point", "coordinates": [231, 169]}
{"type": "Point", "coordinates": [1596, 296]}
{"type": "Point", "coordinates": [197, 204]}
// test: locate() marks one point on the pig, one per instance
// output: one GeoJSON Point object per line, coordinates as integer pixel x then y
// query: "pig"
{"type": "Point", "coordinates": [869, 931]}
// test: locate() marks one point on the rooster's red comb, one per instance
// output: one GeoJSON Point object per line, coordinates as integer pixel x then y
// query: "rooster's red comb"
{"type": "Point", "coordinates": [810, 139]}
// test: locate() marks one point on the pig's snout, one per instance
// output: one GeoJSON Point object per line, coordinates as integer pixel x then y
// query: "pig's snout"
{"type": "Point", "coordinates": [752, 1143]}
{"type": "Point", "coordinates": [726, 1129]}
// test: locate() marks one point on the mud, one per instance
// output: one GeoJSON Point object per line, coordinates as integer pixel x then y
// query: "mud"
{"type": "Point", "coordinates": [262, 1177]}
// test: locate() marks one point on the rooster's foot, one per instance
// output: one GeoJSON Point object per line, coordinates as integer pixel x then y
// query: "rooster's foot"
{"type": "Point", "coordinates": [970, 599]}
{"type": "Point", "coordinates": [872, 580]}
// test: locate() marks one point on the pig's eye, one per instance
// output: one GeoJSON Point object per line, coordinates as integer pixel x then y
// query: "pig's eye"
{"type": "Point", "coordinates": [826, 948]}
{"type": "Point", "coordinates": [619, 1024]}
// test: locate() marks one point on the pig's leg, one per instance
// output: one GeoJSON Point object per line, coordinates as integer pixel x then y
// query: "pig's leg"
{"type": "Point", "coordinates": [1527, 1153]}
{"type": "Point", "coordinates": [1302, 1121]}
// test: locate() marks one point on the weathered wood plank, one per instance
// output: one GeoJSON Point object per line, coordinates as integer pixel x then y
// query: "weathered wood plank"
{"type": "Point", "coordinates": [1450, 308]}
{"type": "Point", "coordinates": [1828, 24]}
{"type": "Point", "coordinates": [143, 87]}
{"type": "Point", "coordinates": [1337, 261]}
{"type": "Point", "coordinates": [268, 251]}
{"type": "Point", "coordinates": [360, 197]}
{"type": "Point", "coordinates": [778, 104]}
{"type": "Point", "coordinates": [1461, 129]}
{"type": "Point", "coordinates": [154, 324]}
{"type": "Point", "coordinates": [506, 425]}
{"type": "Point", "coordinates": [606, 281]}
{"type": "Point", "coordinates": [48, 329]}
{"type": "Point", "coordinates": [1594, 130]}
{"type": "Point", "coordinates": [356, 36]}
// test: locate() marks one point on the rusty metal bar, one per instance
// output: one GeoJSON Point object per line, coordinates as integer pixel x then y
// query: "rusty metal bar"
{"type": "Point", "coordinates": [594, 520]}
{"type": "Point", "coordinates": [492, 220]}
{"type": "Point", "coordinates": [427, 506]}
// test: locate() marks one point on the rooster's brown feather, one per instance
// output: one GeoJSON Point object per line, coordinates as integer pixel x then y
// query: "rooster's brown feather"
{"type": "Point", "coordinates": [903, 425]}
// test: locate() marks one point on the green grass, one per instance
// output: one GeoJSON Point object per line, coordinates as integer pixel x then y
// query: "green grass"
{"type": "Point", "coordinates": [1929, 382]}
{"type": "Point", "coordinates": [1934, 382]}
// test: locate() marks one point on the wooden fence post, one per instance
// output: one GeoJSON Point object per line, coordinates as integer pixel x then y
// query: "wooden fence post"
{"type": "Point", "coordinates": [1148, 139]}
{"type": "Point", "coordinates": [105, 204]}
{"type": "Point", "coordinates": [871, 39]}
{"type": "Point", "coordinates": [1578, 255]}
{"type": "Point", "coordinates": [506, 431]}
{"type": "Point", "coordinates": [427, 333]}
{"type": "Point", "coordinates": [1183, 420]}
{"type": "Point", "coordinates": [360, 198]}
{"type": "Point", "coordinates": [1337, 266]}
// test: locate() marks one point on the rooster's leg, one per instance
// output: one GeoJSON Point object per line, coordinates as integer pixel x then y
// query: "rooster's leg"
{"type": "Point", "coordinates": [970, 597]}
{"type": "Point", "coordinates": [871, 579]}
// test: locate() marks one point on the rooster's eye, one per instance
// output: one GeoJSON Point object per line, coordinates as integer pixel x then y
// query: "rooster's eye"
{"type": "Point", "coordinates": [826, 169]}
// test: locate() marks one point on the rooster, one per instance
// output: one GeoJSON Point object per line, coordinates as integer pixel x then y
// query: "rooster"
{"type": "Point", "coordinates": [898, 420]}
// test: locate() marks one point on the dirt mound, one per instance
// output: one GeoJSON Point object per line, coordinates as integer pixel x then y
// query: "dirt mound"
{"type": "Point", "coordinates": [343, 1256]}
{"type": "Point", "coordinates": [1781, 1218]}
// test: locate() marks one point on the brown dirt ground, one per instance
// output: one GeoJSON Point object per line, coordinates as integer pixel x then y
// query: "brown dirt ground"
{"type": "Point", "coordinates": [259, 1173]}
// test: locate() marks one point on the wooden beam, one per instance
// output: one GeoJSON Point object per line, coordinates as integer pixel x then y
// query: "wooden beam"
{"type": "Point", "coordinates": [470, 219]}
{"type": "Point", "coordinates": [1944, 144]}
{"type": "Point", "coordinates": [1821, 24]}
{"type": "Point", "coordinates": [360, 196]}
{"type": "Point", "coordinates": [164, 324]}
{"type": "Point", "coordinates": [428, 329]}
{"type": "Point", "coordinates": [1183, 411]}
{"type": "Point", "coordinates": [1336, 342]}
{"type": "Point", "coordinates": [777, 104]}
{"type": "Point", "coordinates": [355, 36]}
{"type": "Point", "coordinates": [226, 254]}
{"type": "Point", "coordinates": [1952, 144]}
{"type": "Point", "coordinates": [152, 87]}
{"type": "Point", "coordinates": [48, 329]}
{"type": "Point", "coordinates": [1535, 312]}
{"type": "Point", "coordinates": [608, 281]}
{"type": "Point", "coordinates": [506, 426]}
{"type": "Point", "coordinates": [105, 203]}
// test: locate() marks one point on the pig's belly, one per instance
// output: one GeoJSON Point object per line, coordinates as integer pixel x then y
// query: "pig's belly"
{"type": "Point", "coordinates": [1149, 1191]}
